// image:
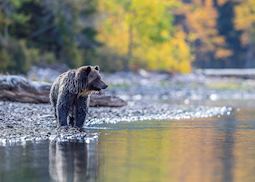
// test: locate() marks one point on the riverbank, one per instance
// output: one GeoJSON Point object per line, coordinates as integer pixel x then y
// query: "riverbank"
{"type": "Point", "coordinates": [150, 96]}
{"type": "Point", "coordinates": [35, 122]}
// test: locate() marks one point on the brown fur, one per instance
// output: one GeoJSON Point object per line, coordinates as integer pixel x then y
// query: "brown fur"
{"type": "Point", "coordinates": [70, 91]}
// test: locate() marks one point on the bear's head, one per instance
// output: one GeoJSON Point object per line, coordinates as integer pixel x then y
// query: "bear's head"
{"type": "Point", "coordinates": [88, 79]}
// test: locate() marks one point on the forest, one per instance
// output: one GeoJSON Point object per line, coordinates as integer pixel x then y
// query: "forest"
{"type": "Point", "coordinates": [165, 35]}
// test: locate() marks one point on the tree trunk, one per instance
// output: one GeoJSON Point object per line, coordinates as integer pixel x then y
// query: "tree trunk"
{"type": "Point", "coordinates": [19, 89]}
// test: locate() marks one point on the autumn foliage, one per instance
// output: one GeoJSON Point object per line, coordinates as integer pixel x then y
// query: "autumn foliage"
{"type": "Point", "coordinates": [142, 33]}
{"type": "Point", "coordinates": [165, 35]}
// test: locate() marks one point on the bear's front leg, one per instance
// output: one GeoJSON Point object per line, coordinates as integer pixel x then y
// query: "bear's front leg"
{"type": "Point", "coordinates": [81, 110]}
{"type": "Point", "coordinates": [65, 100]}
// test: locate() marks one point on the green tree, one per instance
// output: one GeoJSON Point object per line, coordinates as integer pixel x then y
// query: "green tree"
{"type": "Point", "coordinates": [45, 31]}
{"type": "Point", "coordinates": [14, 55]}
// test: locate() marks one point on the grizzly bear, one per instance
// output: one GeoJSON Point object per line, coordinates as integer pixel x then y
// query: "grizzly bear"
{"type": "Point", "coordinates": [69, 94]}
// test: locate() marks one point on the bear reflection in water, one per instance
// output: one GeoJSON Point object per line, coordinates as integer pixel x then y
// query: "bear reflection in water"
{"type": "Point", "coordinates": [73, 162]}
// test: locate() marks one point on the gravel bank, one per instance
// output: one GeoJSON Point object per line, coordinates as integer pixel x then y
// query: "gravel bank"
{"type": "Point", "coordinates": [35, 122]}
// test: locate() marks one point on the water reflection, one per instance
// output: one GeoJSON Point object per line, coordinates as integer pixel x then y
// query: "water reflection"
{"type": "Point", "coordinates": [216, 149]}
{"type": "Point", "coordinates": [195, 150]}
{"type": "Point", "coordinates": [73, 162]}
{"type": "Point", "coordinates": [24, 163]}
{"type": "Point", "coordinates": [227, 144]}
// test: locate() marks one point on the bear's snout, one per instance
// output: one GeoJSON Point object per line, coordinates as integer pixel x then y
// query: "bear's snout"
{"type": "Point", "coordinates": [102, 85]}
{"type": "Point", "coordinates": [105, 86]}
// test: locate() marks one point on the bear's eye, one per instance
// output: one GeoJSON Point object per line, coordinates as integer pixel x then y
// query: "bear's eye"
{"type": "Point", "coordinates": [92, 78]}
{"type": "Point", "coordinates": [96, 79]}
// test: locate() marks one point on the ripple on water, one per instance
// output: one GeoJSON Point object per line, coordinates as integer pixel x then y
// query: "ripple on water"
{"type": "Point", "coordinates": [165, 112]}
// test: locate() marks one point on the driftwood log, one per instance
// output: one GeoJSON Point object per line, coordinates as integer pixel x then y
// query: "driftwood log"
{"type": "Point", "coordinates": [19, 89]}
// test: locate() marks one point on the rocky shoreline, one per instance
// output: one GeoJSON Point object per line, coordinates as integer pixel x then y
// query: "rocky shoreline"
{"type": "Point", "coordinates": [21, 122]}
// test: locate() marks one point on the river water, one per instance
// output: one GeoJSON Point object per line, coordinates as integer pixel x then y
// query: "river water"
{"type": "Point", "coordinates": [215, 149]}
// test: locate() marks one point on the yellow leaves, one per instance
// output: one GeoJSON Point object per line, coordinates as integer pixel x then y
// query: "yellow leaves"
{"type": "Point", "coordinates": [113, 30]}
{"type": "Point", "coordinates": [202, 21]}
{"type": "Point", "coordinates": [165, 34]}
{"type": "Point", "coordinates": [221, 2]}
{"type": "Point", "coordinates": [173, 55]}
{"type": "Point", "coordinates": [142, 31]}
{"type": "Point", "coordinates": [181, 52]}
{"type": "Point", "coordinates": [223, 53]}
{"type": "Point", "coordinates": [245, 19]}
{"type": "Point", "coordinates": [245, 14]}
{"type": "Point", "coordinates": [219, 40]}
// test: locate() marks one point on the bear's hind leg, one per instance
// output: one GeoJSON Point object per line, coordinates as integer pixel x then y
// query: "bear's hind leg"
{"type": "Point", "coordinates": [53, 98]}
{"type": "Point", "coordinates": [63, 107]}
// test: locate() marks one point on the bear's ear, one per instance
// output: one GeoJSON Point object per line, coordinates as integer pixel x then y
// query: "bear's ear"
{"type": "Point", "coordinates": [88, 70]}
{"type": "Point", "coordinates": [81, 78]}
{"type": "Point", "coordinates": [97, 68]}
